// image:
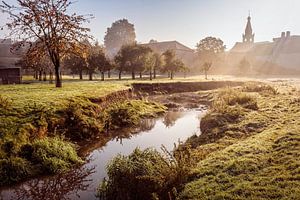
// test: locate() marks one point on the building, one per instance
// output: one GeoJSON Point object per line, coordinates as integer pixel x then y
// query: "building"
{"type": "Point", "coordinates": [9, 72]}
{"type": "Point", "coordinates": [182, 52]}
{"type": "Point", "coordinates": [278, 56]}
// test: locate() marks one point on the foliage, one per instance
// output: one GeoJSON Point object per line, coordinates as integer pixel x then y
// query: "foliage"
{"type": "Point", "coordinates": [48, 155]}
{"type": "Point", "coordinates": [14, 169]}
{"type": "Point", "coordinates": [48, 25]}
{"type": "Point", "coordinates": [147, 174]}
{"type": "Point", "coordinates": [133, 58]}
{"type": "Point", "coordinates": [54, 154]}
{"type": "Point", "coordinates": [76, 64]}
{"type": "Point", "coordinates": [119, 34]}
{"type": "Point", "coordinates": [171, 64]}
{"type": "Point", "coordinates": [208, 50]}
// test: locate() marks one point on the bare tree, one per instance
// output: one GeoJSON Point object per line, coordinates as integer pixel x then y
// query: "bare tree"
{"type": "Point", "coordinates": [48, 24]}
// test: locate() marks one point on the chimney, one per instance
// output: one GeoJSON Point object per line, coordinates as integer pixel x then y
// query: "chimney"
{"type": "Point", "coordinates": [282, 34]}
{"type": "Point", "coordinates": [288, 33]}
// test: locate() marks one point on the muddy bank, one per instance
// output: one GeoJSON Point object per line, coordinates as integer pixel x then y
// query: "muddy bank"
{"type": "Point", "coordinates": [113, 98]}
{"type": "Point", "coordinates": [180, 87]}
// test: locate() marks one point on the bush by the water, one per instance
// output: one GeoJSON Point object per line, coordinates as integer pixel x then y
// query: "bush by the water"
{"type": "Point", "coordinates": [42, 156]}
{"type": "Point", "coordinates": [147, 174]}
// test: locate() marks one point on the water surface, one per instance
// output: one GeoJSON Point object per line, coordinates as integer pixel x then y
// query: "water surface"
{"type": "Point", "coordinates": [82, 183]}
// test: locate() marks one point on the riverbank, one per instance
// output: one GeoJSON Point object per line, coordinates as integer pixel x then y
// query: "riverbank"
{"type": "Point", "coordinates": [39, 127]}
{"type": "Point", "coordinates": [248, 149]}
{"type": "Point", "coordinates": [251, 156]}
{"type": "Point", "coordinates": [36, 120]}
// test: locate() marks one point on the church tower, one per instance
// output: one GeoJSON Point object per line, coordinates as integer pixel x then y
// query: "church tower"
{"type": "Point", "coordinates": [248, 37]}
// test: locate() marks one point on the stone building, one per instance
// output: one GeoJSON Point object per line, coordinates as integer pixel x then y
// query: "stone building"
{"type": "Point", "coordinates": [276, 57]}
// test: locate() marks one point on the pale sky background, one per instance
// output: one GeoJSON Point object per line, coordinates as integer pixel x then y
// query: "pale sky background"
{"type": "Point", "coordinates": [189, 21]}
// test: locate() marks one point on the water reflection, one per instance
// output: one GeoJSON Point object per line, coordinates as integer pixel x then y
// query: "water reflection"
{"type": "Point", "coordinates": [171, 118]}
{"type": "Point", "coordinates": [59, 187]}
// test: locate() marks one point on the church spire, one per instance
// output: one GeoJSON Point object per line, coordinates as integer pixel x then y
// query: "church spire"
{"type": "Point", "coordinates": [248, 37]}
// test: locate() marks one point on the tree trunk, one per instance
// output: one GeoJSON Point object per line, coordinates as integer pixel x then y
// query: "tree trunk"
{"type": "Point", "coordinates": [102, 76]}
{"type": "Point", "coordinates": [205, 74]}
{"type": "Point", "coordinates": [90, 75]}
{"type": "Point", "coordinates": [120, 75]}
{"type": "Point", "coordinates": [40, 75]}
{"type": "Point", "coordinates": [141, 75]}
{"type": "Point", "coordinates": [44, 76]}
{"type": "Point", "coordinates": [150, 75]}
{"type": "Point", "coordinates": [58, 82]}
{"type": "Point", "coordinates": [36, 75]}
{"type": "Point", "coordinates": [169, 75]}
{"type": "Point", "coordinates": [172, 75]}
{"type": "Point", "coordinates": [51, 77]}
{"type": "Point", "coordinates": [133, 75]}
{"type": "Point", "coordinates": [80, 74]}
{"type": "Point", "coordinates": [108, 74]}
{"type": "Point", "coordinates": [154, 73]}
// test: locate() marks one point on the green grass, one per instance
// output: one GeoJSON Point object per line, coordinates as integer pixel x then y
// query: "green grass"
{"type": "Point", "coordinates": [42, 94]}
{"type": "Point", "coordinates": [256, 156]}
{"type": "Point", "coordinates": [33, 116]}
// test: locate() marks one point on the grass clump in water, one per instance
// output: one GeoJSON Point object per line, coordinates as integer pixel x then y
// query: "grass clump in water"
{"type": "Point", "coordinates": [146, 174]}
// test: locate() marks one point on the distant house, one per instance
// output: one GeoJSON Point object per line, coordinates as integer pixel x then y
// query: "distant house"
{"type": "Point", "coordinates": [9, 72]}
{"type": "Point", "coordinates": [182, 52]}
{"type": "Point", "coordinates": [10, 75]}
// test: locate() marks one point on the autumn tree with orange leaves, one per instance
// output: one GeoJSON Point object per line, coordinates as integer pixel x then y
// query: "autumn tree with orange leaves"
{"type": "Point", "coordinates": [48, 25]}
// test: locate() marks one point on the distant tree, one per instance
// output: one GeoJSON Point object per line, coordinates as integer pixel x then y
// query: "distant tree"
{"type": "Point", "coordinates": [171, 64]}
{"type": "Point", "coordinates": [39, 62]}
{"type": "Point", "coordinates": [208, 51]}
{"type": "Point", "coordinates": [149, 62]}
{"type": "Point", "coordinates": [159, 62]}
{"type": "Point", "coordinates": [76, 63]}
{"type": "Point", "coordinates": [119, 34]}
{"type": "Point", "coordinates": [97, 60]}
{"type": "Point", "coordinates": [131, 58]}
{"type": "Point", "coordinates": [152, 41]}
{"type": "Point", "coordinates": [49, 23]}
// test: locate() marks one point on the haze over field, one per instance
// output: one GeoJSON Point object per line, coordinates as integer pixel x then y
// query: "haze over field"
{"type": "Point", "coordinates": [188, 21]}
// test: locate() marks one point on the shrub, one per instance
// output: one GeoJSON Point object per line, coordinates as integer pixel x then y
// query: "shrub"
{"type": "Point", "coordinates": [262, 89]}
{"type": "Point", "coordinates": [146, 174]}
{"type": "Point", "coordinates": [231, 97]}
{"type": "Point", "coordinates": [14, 169]}
{"type": "Point", "coordinates": [54, 154]}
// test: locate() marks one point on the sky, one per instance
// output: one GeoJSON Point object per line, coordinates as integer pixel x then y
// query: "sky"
{"type": "Point", "coordinates": [189, 21]}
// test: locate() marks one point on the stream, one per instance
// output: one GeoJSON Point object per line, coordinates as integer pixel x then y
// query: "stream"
{"type": "Point", "coordinates": [82, 182]}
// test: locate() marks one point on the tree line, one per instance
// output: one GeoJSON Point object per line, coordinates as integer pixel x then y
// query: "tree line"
{"type": "Point", "coordinates": [55, 38]}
